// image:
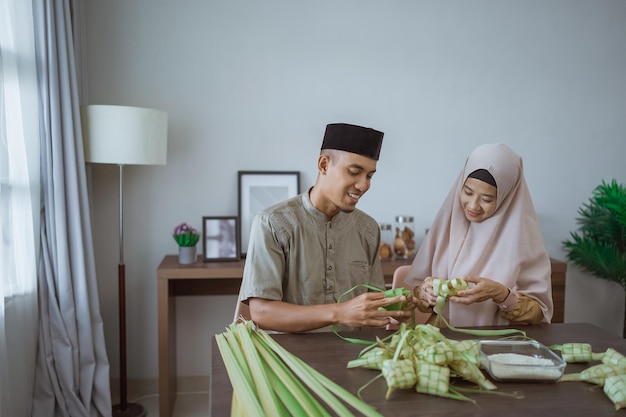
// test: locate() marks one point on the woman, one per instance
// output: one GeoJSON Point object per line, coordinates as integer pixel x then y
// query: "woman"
{"type": "Point", "coordinates": [487, 233]}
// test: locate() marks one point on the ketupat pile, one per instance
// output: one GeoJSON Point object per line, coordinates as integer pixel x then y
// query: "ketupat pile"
{"type": "Point", "coordinates": [423, 359]}
{"type": "Point", "coordinates": [610, 373]}
{"type": "Point", "coordinates": [427, 363]}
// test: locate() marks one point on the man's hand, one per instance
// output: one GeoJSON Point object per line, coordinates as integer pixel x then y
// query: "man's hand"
{"type": "Point", "coordinates": [363, 310]}
{"type": "Point", "coordinates": [368, 310]}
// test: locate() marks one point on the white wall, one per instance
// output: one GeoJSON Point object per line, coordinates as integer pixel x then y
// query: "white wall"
{"type": "Point", "coordinates": [250, 85]}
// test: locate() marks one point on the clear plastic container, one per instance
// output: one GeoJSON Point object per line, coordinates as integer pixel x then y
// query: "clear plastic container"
{"type": "Point", "coordinates": [386, 241]}
{"type": "Point", "coordinates": [404, 239]}
{"type": "Point", "coordinates": [520, 361]}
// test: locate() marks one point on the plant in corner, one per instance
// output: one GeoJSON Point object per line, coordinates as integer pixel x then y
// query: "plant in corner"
{"type": "Point", "coordinates": [599, 246]}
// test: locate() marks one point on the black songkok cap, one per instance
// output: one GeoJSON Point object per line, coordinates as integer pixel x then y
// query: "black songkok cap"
{"type": "Point", "coordinates": [351, 138]}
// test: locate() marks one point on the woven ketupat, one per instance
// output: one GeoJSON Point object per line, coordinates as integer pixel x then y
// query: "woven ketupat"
{"type": "Point", "coordinates": [613, 357]}
{"type": "Point", "coordinates": [615, 389]}
{"type": "Point", "coordinates": [372, 359]}
{"type": "Point", "coordinates": [577, 352]}
{"type": "Point", "coordinates": [432, 379]}
{"type": "Point", "coordinates": [596, 374]}
{"type": "Point", "coordinates": [438, 353]}
{"type": "Point", "coordinates": [399, 374]}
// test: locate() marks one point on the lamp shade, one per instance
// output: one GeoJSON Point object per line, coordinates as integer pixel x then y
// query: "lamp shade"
{"type": "Point", "coordinates": [124, 135]}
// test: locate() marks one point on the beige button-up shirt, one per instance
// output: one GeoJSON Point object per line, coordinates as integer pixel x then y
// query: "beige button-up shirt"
{"type": "Point", "coordinates": [298, 256]}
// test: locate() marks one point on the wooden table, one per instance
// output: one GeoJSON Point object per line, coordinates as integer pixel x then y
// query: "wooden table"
{"type": "Point", "coordinates": [329, 354]}
{"type": "Point", "coordinates": [224, 278]}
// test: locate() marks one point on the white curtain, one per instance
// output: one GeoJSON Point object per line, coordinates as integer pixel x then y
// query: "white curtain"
{"type": "Point", "coordinates": [19, 208]}
{"type": "Point", "coordinates": [53, 360]}
{"type": "Point", "coordinates": [72, 377]}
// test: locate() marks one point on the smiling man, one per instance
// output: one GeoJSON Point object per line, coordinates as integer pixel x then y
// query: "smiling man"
{"type": "Point", "coordinates": [306, 253]}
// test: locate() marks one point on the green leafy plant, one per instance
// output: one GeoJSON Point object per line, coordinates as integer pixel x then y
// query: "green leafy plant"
{"type": "Point", "coordinates": [185, 235]}
{"type": "Point", "coordinates": [599, 246]}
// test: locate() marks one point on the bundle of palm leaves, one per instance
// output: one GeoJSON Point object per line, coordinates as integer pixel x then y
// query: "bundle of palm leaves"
{"type": "Point", "coordinates": [599, 246]}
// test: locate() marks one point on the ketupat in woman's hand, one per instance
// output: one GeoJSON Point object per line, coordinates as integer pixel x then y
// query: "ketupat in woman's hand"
{"type": "Point", "coordinates": [426, 292]}
{"type": "Point", "coordinates": [482, 289]}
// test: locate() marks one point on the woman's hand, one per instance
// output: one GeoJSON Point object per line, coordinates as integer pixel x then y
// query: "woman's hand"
{"type": "Point", "coordinates": [426, 291]}
{"type": "Point", "coordinates": [482, 290]}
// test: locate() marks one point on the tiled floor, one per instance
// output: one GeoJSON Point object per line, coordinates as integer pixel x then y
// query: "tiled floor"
{"type": "Point", "coordinates": [187, 405]}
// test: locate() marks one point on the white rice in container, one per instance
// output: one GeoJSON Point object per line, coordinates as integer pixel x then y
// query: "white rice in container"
{"type": "Point", "coordinates": [503, 366]}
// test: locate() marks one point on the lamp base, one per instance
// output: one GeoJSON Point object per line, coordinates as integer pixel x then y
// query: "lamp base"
{"type": "Point", "coordinates": [132, 410]}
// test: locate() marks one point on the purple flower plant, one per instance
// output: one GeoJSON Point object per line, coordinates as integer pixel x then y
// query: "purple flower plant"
{"type": "Point", "coordinates": [185, 235]}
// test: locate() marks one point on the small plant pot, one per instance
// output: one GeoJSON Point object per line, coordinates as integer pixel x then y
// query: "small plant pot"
{"type": "Point", "coordinates": [186, 255]}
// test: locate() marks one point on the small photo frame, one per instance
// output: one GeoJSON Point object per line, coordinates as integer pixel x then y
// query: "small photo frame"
{"type": "Point", "coordinates": [220, 238]}
{"type": "Point", "coordinates": [259, 190]}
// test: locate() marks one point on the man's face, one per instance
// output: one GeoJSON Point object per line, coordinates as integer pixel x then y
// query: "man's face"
{"type": "Point", "coordinates": [478, 200]}
{"type": "Point", "coordinates": [346, 178]}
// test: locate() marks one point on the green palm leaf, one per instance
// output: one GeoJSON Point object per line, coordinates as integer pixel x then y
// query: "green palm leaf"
{"type": "Point", "coordinates": [599, 246]}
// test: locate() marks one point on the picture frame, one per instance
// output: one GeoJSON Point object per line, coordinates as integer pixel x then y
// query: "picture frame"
{"type": "Point", "coordinates": [259, 190]}
{"type": "Point", "coordinates": [220, 238]}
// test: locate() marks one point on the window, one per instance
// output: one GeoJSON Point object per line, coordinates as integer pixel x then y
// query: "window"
{"type": "Point", "coordinates": [19, 165]}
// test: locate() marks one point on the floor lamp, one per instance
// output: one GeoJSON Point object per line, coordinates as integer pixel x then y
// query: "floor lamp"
{"type": "Point", "coordinates": [124, 135]}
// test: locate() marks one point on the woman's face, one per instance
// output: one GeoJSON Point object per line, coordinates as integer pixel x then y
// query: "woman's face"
{"type": "Point", "coordinates": [478, 200]}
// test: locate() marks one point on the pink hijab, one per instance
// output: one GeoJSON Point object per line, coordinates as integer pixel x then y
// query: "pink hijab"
{"type": "Point", "coordinates": [507, 247]}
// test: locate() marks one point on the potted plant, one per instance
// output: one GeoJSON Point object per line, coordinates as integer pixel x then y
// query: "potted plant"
{"type": "Point", "coordinates": [599, 246]}
{"type": "Point", "coordinates": [186, 237]}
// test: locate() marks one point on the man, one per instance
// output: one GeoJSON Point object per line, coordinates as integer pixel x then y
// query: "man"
{"type": "Point", "coordinates": [308, 252]}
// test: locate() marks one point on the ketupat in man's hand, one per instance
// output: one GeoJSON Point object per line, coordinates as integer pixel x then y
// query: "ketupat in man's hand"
{"type": "Point", "coordinates": [399, 306]}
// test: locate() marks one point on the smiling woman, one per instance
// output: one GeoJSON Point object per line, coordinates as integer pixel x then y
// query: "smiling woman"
{"type": "Point", "coordinates": [476, 235]}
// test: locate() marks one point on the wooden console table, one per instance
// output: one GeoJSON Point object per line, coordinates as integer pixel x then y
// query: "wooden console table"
{"type": "Point", "coordinates": [224, 278]}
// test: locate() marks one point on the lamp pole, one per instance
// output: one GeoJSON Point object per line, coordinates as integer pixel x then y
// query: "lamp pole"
{"type": "Point", "coordinates": [124, 408]}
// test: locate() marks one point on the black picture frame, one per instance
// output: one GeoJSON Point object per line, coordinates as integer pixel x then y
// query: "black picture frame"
{"type": "Point", "coordinates": [220, 238]}
{"type": "Point", "coordinates": [259, 190]}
